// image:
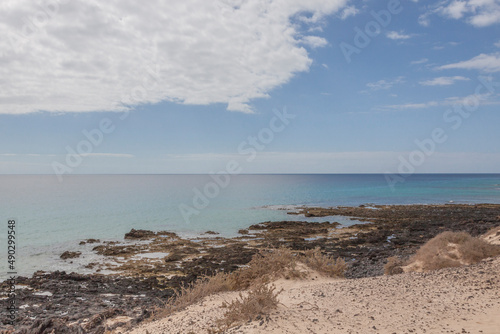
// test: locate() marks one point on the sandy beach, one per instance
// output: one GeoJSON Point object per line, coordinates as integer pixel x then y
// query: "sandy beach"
{"type": "Point", "coordinates": [454, 300]}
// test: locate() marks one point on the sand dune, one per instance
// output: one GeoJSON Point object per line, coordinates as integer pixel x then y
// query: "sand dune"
{"type": "Point", "coordinates": [493, 236]}
{"type": "Point", "coordinates": [453, 300]}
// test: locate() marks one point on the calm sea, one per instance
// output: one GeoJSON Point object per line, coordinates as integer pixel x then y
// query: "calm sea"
{"type": "Point", "coordinates": [54, 216]}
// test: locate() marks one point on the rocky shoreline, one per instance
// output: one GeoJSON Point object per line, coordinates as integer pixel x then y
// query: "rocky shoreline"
{"type": "Point", "coordinates": [151, 266]}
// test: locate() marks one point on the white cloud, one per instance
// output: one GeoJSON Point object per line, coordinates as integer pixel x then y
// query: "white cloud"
{"type": "Point", "coordinates": [424, 20]}
{"type": "Point", "coordinates": [443, 81]}
{"type": "Point", "coordinates": [420, 61]}
{"type": "Point", "coordinates": [455, 10]}
{"type": "Point", "coordinates": [479, 13]}
{"type": "Point", "coordinates": [349, 11]}
{"type": "Point", "coordinates": [108, 155]}
{"type": "Point", "coordinates": [384, 84]}
{"type": "Point", "coordinates": [405, 106]}
{"type": "Point", "coordinates": [26, 155]}
{"type": "Point", "coordinates": [397, 35]}
{"type": "Point", "coordinates": [314, 41]}
{"type": "Point", "coordinates": [484, 62]}
{"type": "Point", "coordinates": [486, 18]}
{"type": "Point", "coordinates": [497, 44]}
{"type": "Point", "coordinates": [481, 99]}
{"type": "Point", "coordinates": [93, 56]}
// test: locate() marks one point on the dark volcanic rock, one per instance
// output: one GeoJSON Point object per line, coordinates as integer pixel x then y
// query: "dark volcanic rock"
{"type": "Point", "coordinates": [89, 241]}
{"type": "Point", "coordinates": [70, 255]}
{"type": "Point", "coordinates": [80, 303]}
{"type": "Point", "coordinates": [139, 234]}
{"type": "Point", "coordinates": [146, 234]}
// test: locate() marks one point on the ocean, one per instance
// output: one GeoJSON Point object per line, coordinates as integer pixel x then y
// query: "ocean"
{"type": "Point", "coordinates": [53, 216]}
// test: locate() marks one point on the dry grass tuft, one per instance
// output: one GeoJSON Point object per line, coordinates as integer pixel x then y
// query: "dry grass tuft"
{"type": "Point", "coordinates": [262, 269]}
{"type": "Point", "coordinates": [453, 249]}
{"type": "Point", "coordinates": [393, 266]}
{"type": "Point", "coordinates": [324, 264]}
{"type": "Point", "coordinates": [266, 266]}
{"type": "Point", "coordinates": [475, 249]}
{"type": "Point", "coordinates": [260, 300]}
{"type": "Point", "coordinates": [196, 291]}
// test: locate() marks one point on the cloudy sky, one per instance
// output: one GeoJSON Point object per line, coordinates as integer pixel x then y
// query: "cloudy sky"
{"type": "Point", "coordinates": [279, 86]}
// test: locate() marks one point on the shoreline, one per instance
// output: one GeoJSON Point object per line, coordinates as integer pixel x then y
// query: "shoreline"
{"type": "Point", "coordinates": [143, 282]}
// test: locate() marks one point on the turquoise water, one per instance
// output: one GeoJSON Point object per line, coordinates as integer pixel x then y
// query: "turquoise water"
{"type": "Point", "coordinates": [53, 216]}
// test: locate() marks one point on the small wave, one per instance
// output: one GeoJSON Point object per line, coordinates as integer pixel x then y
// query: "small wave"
{"type": "Point", "coordinates": [153, 255]}
{"type": "Point", "coordinates": [371, 208]}
{"type": "Point", "coordinates": [281, 207]}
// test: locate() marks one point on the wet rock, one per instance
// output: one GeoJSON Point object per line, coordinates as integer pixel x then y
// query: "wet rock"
{"type": "Point", "coordinates": [168, 234]}
{"type": "Point", "coordinates": [293, 229]}
{"type": "Point", "coordinates": [91, 265]}
{"type": "Point", "coordinates": [70, 255]}
{"type": "Point", "coordinates": [52, 325]}
{"type": "Point", "coordinates": [146, 234]}
{"type": "Point", "coordinates": [97, 319]}
{"type": "Point", "coordinates": [89, 241]}
{"type": "Point", "coordinates": [174, 257]}
{"type": "Point", "coordinates": [111, 250]}
{"type": "Point", "coordinates": [139, 234]}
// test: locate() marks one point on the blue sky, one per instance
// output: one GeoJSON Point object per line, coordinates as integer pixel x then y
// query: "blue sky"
{"type": "Point", "coordinates": [183, 88]}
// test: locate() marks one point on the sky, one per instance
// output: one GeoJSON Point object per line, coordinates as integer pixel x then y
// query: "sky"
{"type": "Point", "coordinates": [257, 86]}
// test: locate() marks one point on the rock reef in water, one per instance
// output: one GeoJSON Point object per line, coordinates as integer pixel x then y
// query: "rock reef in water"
{"type": "Point", "coordinates": [70, 255]}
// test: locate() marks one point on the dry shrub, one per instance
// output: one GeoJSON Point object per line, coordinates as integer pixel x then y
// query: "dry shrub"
{"type": "Point", "coordinates": [453, 249]}
{"type": "Point", "coordinates": [260, 300]}
{"type": "Point", "coordinates": [393, 266]}
{"type": "Point", "coordinates": [196, 291]}
{"type": "Point", "coordinates": [266, 266]}
{"type": "Point", "coordinates": [324, 264]}
{"type": "Point", "coordinates": [262, 269]}
{"type": "Point", "coordinates": [475, 249]}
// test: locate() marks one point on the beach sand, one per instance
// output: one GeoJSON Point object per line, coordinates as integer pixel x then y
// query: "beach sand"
{"type": "Point", "coordinates": [452, 300]}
